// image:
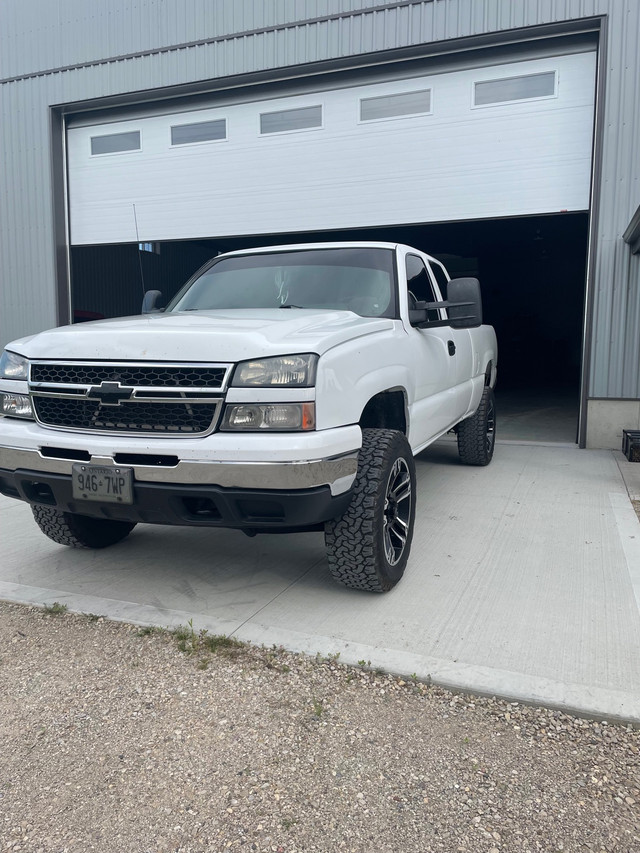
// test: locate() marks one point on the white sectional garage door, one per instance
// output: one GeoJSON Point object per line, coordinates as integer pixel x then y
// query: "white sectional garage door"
{"type": "Point", "coordinates": [497, 141]}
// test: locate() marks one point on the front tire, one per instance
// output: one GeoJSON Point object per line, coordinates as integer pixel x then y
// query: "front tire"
{"type": "Point", "coordinates": [369, 546]}
{"type": "Point", "coordinates": [80, 531]}
{"type": "Point", "coordinates": [477, 434]}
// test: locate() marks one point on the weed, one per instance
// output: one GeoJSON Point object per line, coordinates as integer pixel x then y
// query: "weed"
{"type": "Point", "coordinates": [413, 677]}
{"type": "Point", "coordinates": [288, 822]}
{"type": "Point", "coordinates": [363, 663]}
{"type": "Point", "coordinates": [55, 609]}
{"type": "Point", "coordinates": [219, 643]}
{"type": "Point", "coordinates": [92, 617]}
{"type": "Point", "coordinates": [191, 642]}
{"type": "Point", "coordinates": [147, 630]}
{"type": "Point", "coordinates": [186, 638]}
{"type": "Point", "coordinates": [318, 707]}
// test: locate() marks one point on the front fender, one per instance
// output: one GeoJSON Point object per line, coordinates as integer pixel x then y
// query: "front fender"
{"type": "Point", "coordinates": [351, 374]}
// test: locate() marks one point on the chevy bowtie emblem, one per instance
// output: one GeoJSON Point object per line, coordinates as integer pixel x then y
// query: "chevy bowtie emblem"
{"type": "Point", "coordinates": [109, 393]}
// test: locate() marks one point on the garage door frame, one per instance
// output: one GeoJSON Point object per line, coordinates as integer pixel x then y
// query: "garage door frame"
{"type": "Point", "coordinates": [391, 62]}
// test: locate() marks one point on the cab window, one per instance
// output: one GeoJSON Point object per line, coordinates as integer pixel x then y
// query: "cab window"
{"type": "Point", "coordinates": [419, 286]}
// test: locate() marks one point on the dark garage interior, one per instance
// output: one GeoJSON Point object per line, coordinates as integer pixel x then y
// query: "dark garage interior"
{"type": "Point", "coordinates": [532, 271]}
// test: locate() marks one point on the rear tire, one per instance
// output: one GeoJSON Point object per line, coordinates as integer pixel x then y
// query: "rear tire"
{"type": "Point", "coordinates": [477, 434]}
{"type": "Point", "coordinates": [369, 546]}
{"type": "Point", "coordinates": [80, 531]}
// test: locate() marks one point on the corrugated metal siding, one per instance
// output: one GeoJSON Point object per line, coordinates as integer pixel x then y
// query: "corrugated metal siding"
{"type": "Point", "coordinates": [27, 284]}
{"type": "Point", "coordinates": [615, 364]}
{"type": "Point", "coordinates": [38, 36]}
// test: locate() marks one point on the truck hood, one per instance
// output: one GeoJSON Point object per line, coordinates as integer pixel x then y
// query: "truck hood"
{"type": "Point", "coordinates": [218, 336]}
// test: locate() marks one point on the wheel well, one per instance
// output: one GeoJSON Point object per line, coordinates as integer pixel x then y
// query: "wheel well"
{"type": "Point", "coordinates": [387, 410]}
{"type": "Point", "coordinates": [487, 373]}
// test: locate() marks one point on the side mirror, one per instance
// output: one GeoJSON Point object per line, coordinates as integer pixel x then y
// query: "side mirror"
{"type": "Point", "coordinates": [149, 301]}
{"type": "Point", "coordinates": [464, 306]}
{"type": "Point", "coordinates": [464, 303]}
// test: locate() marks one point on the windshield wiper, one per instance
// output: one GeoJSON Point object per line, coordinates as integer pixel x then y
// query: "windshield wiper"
{"type": "Point", "coordinates": [290, 305]}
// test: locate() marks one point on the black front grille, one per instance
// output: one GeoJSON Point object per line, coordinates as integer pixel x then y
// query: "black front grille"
{"type": "Point", "coordinates": [160, 418]}
{"type": "Point", "coordinates": [152, 375]}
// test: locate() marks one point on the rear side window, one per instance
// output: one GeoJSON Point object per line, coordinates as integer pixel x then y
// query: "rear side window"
{"type": "Point", "coordinates": [441, 278]}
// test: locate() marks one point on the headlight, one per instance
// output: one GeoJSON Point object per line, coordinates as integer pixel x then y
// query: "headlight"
{"type": "Point", "coordinates": [285, 371]}
{"type": "Point", "coordinates": [13, 366]}
{"type": "Point", "coordinates": [255, 417]}
{"type": "Point", "coordinates": [15, 405]}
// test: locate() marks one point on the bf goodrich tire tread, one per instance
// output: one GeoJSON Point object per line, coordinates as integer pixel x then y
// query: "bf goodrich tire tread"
{"type": "Point", "coordinates": [354, 542]}
{"type": "Point", "coordinates": [472, 433]}
{"type": "Point", "coordinates": [79, 531]}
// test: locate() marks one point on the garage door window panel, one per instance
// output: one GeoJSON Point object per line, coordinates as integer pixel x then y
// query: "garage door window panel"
{"type": "Point", "coordinates": [508, 90]}
{"type": "Point", "coordinates": [399, 105]}
{"type": "Point", "coordinates": [286, 121]}
{"type": "Point", "coordinates": [197, 132]}
{"type": "Point", "coordinates": [116, 143]}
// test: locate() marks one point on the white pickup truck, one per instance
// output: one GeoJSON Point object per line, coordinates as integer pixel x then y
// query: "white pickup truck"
{"type": "Point", "coordinates": [282, 389]}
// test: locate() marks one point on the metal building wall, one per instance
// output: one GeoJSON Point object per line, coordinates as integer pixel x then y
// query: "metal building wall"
{"type": "Point", "coordinates": [71, 50]}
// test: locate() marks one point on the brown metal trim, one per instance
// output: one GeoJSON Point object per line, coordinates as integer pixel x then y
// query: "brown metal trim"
{"type": "Point", "coordinates": [596, 184]}
{"type": "Point", "coordinates": [58, 167]}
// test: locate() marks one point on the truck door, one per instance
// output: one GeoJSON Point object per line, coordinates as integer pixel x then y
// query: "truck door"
{"type": "Point", "coordinates": [465, 367]}
{"type": "Point", "coordinates": [435, 406]}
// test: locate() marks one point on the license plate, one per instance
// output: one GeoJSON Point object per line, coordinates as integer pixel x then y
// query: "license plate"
{"type": "Point", "coordinates": [102, 483]}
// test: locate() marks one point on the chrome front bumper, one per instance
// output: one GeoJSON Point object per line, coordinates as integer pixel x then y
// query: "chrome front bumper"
{"type": "Point", "coordinates": [337, 472]}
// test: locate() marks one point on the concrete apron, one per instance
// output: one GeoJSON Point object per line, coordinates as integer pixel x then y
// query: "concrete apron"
{"type": "Point", "coordinates": [523, 582]}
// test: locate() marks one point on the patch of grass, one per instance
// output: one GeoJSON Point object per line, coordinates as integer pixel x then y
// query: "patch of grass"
{"type": "Point", "coordinates": [288, 822]}
{"type": "Point", "coordinates": [202, 643]}
{"type": "Point", "coordinates": [219, 643]}
{"type": "Point", "coordinates": [147, 630]}
{"type": "Point", "coordinates": [55, 609]}
{"type": "Point", "coordinates": [92, 617]}
{"type": "Point", "coordinates": [318, 707]}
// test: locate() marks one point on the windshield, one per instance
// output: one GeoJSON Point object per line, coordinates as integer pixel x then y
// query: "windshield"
{"type": "Point", "coordinates": [359, 280]}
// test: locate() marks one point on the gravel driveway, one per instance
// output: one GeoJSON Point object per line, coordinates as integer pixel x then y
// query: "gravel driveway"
{"type": "Point", "coordinates": [125, 740]}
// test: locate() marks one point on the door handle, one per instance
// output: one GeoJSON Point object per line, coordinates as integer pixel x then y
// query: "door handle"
{"type": "Point", "coordinates": [451, 347]}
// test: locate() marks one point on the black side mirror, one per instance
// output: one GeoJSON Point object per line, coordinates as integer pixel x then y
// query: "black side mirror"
{"type": "Point", "coordinates": [464, 306]}
{"type": "Point", "coordinates": [464, 303]}
{"type": "Point", "coordinates": [149, 301]}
